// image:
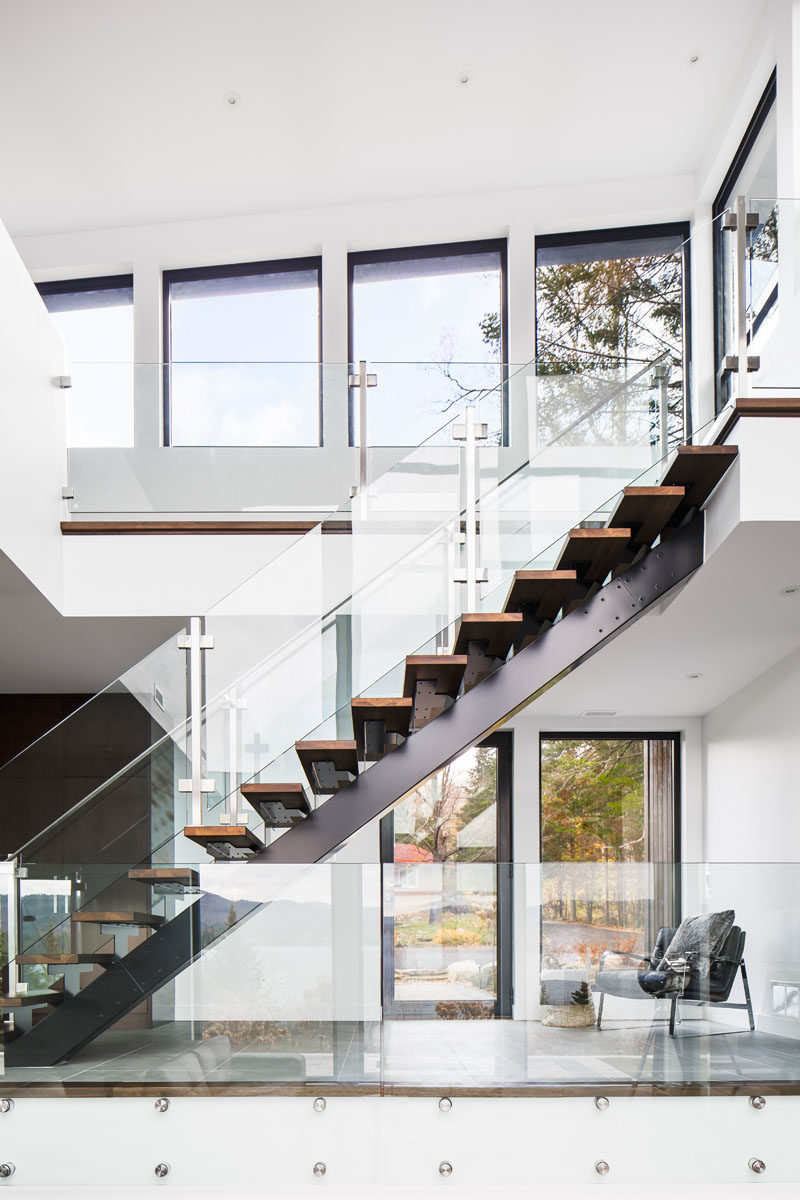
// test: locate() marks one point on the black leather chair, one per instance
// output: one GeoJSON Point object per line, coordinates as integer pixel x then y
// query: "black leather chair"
{"type": "Point", "coordinates": [645, 981]}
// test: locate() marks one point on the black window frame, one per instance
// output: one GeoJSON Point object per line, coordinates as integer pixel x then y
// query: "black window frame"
{"type": "Point", "coordinates": [435, 250]}
{"type": "Point", "coordinates": [90, 283]}
{"type": "Point", "coordinates": [503, 742]}
{"type": "Point", "coordinates": [231, 271]}
{"type": "Point", "coordinates": [633, 233]}
{"type": "Point", "coordinates": [762, 112]}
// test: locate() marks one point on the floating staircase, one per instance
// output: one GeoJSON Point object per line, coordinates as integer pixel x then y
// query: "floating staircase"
{"type": "Point", "coordinates": [603, 579]}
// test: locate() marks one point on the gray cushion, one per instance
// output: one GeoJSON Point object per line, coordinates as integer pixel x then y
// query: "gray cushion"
{"type": "Point", "coordinates": [625, 983]}
{"type": "Point", "coordinates": [700, 936]}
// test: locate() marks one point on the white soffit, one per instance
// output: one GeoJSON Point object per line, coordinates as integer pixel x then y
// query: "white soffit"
{"type": "Point", "coordinates": [42, 651]}
{"type": "Point", "coordinates": [726, 627]}
{"type": "Point", "coordinates": [116, 113]}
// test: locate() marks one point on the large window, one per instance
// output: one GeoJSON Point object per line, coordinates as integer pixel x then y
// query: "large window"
{"type": "Point", "coordinates": [433, 321]}
{"type": "Point", "coordinates": [446, 850]}
{"type": "Point", "coordinates": [609, 842]}
{"type": "Point", "coordinates": [95, 320]}
{"type": "Point", "coordinates": [243, 346]}
{"type": "Point", "coordinates": [753, 174]}
{"type": "Point", "coordinates": [610, 308]}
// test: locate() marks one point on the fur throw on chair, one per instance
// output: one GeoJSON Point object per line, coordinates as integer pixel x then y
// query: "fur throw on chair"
{"type": "Point", "coordinates": [697, 940]}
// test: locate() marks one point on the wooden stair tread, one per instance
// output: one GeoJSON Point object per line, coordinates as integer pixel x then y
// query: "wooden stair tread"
{"type": "Point", "coordinates": [28, 999]}
{"type": "Point", "coordinates": [63, 960]}
{"type": "Point", "coordinates": [342, 757]}
{"type": "Point", "coordinates": [278, 804]}
{"type": "Point", "coordinates": [379, 723]}
{"type": "Point", "coordinates": [185, 876]}
{"type": "Point", "coordinates": [698, 469]}
{"type": "Point", "coordinates": [445, 671]}
{"type": "Point", "coordinates": [241, 837]}
{"type": "Point", "coordinates": [395, 711]}
{"type": "Point", "coordinates": [543, 593]}
{"type": "Point", "coordinates": [118, 918]}
{"type": "Point", "coordinates": [646, 511]}
{"type": "Point", "coordinates": [498, 630]}
{"type": "Point", "coordinates": [594, 553]}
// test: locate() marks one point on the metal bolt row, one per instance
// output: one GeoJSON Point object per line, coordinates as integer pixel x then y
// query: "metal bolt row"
{"type": "Point", "coordinates": [162, 1169]}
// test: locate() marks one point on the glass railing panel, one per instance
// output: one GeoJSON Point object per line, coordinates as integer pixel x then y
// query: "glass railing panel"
{"type": "Point", "coordinates": [263, 440]}
{"type": "Point", "coordinates": [125, 819]}
{"type": "Point", "coordinates": [345, 973]}
{"type": "Point", "coordinates": [412, 397]}
{"type": "Point", "coordinates": [95, 743]}
{"type": "Point", "coordinates": [100, 404]}
{"type": "Point", "coordinates": [274, 978]}
{"type": "Point", "coordinates": [225, 428]}
{"type": "Point", "coordinates": [407, 516]}
{"type": "Point", "coordinates": [770, 290]}
{"type": "Point", "coordinates": [247, 404]}
{"type": "Point", "coordinates": [603, 434]}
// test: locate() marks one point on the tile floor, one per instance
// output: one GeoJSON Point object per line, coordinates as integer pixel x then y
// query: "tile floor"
{"type": "Point", "coordinates": [419, 1053]}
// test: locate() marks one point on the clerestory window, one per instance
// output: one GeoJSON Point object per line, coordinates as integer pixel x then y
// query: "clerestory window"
{"type": "Point", "coordinates": [95, 320]}
{"type": "Point", "coordinates": [242, 347]}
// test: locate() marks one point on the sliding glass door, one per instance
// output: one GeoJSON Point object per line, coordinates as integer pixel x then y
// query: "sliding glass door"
{"type": "Point", "coordinates": [446, 917]}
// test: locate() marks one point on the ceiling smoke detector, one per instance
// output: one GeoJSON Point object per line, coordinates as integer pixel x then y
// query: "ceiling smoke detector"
{"type": "Point", "coordinates": [694, 58]}
{"type": "Point", "coordinates": [464, 77]}
{"type": "Point", "coordinates": [232, 98]}
{"type": "Point", "coordinates": [695, 675]}
{"type": "Point", "coordinates": [791, 589]}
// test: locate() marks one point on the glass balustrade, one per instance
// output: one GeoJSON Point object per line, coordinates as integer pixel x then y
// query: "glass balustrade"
{"type": "Point", "coordinates": [770, 295]}
{"type": "Point", "coordinates": [392, 975]}
{"type": "Point", "coordinates": [249, 445]}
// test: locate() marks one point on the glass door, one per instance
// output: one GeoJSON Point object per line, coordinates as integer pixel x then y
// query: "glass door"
{"type": "Point", "coordinates": [446, 915]}
{"type": "Point", "coordinates": [609, 845]}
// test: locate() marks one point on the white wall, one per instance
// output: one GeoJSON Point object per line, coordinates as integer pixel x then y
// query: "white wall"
{"type": "Point", "coordinates": [32, 456]}
{"type": "Point", "coordinates": [530, 1147]}
{"type": "Point", "coordinates": [752, 825]}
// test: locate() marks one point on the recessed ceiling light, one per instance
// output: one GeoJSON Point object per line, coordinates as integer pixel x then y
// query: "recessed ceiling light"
{"type": "Point", "coordinates": [790, 590]}
{"type": "Point", "coordinates": [695, 675]}
{"type": "Point", "coordinates": [464, 77]}
{"type": "Point", "coordinates": [694, 58]}
{"type": "Point", "coordinates": [232, 98]}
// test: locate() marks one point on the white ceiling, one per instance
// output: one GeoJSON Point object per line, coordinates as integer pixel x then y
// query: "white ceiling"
{"type": "Point", "coordinates": [42, 651]}
{"type": "Point", "coordinates": [729, 623]}
{"type": "Point", "coordinates": [114, 113]}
